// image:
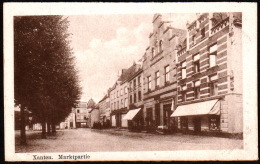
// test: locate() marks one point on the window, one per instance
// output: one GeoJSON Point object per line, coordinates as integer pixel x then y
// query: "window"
{"type": "Point", "coordinates": [78, 111]}
{"type": "Point", "coordinates": [126, 103]}
{"type": "Point", "coordinates": [196, 62]}
{"type": "Point", "coordinates": [183, 95]}
{"type": "Point", "coordinates": [130, 85]}
{"type": "Point", "coordinates": [193, 39]}
{"type": "Point", "coordinates": [117, 104]}
{"type": "Point", "coordinates": [203, 33]}
{"type": "Point", "coordinates": [214, 122]}
{"type": "Point", "coordinates": [112, 106]}
{"type": "Point", "coordinates": [117, 93]}
{"type": "Point", "coordinates": [139, 96]}
{"type": "Point", "coordinates": [183, 70]}
{"type": "Point", "coordinates": [184, 123]}
{"type": "Point", "coordinates": [213, 85]}
{"type": "Point", "coordinates": [139, 81]}
{"type": "Point", "coordinates": [149, 83]}
{"type": "Point", "coordinates": [167, 74]}
{"type": "Point", "coordinates": [157, 79]}
{"type": "Point", "coordinates": [212, 55]}
{"type": "Point", "coordinates": [121, 92]}
{"type": "Point", "coordinates": [135, 98]}
{"type": "Point", "coordinates": [125, 90]}
{"type": "Point", "coordinates": [122, 102]}
{"type": "Point", "coordinates": [134, 84]}
{"type": "Point", "coordinates": [197, 89]}
{"type": "Point", "coordinates": [160, 45]}
{"type": "Point", "coordinates": [131, 99]}
{"type": "Point", "coordinates": [152, 52]}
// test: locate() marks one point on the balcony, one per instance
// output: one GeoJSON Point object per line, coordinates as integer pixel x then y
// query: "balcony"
{"type": "Point", "coordinates": [220, 26]}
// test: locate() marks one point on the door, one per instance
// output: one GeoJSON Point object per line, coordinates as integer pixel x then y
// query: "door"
{"type": "Point", "coordinates": [157, 114]}
{"type": "Point", "coordinates": [197, 124]}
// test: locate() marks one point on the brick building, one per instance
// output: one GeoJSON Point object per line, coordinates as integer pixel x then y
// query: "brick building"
{"type": "Point", "coordinates": [210, 74]}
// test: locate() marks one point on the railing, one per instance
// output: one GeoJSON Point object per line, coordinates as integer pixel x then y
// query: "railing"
{"type": "Point", "coordinates": [220, 26]}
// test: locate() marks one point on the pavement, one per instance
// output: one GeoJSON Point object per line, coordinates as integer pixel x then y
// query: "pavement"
{"type": "Point", "coordinates": [106, 140]}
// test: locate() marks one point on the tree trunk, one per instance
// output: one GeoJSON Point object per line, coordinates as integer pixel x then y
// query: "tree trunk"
{"type": "Point", "coordinates": [44, 130]}
{"type": "Point", "coordinates": [22, 124]}
{"type": "Point", "coordinates": [48, 128]}
{"type": "Point", "coordinates": [53, 127]}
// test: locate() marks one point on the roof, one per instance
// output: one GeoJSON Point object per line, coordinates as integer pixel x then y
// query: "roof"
{"type": "Point", "coordinates": [129, 72]}
{"type": "Point", "coordinates": [106, 96]}
{"type": "Point", "coordinates": [91, 103]}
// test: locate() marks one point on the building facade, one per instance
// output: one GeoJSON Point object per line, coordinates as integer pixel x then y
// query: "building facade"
{"type": "Point", "coordinates": [104, 109]}
{"type": "Point", "coordinates": [135, 97]}
{"type": "Point", "coordinates": [159, 74]}
{"type": "Point", "coordinates": [210, 74]}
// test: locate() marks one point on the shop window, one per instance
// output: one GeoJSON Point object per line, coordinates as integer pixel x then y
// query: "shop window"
{"type": "Point", "coordinates": [184, 123]}
{"type": "Point", "coordinates": [203, 33]}
{"type": "Point", "coordinates": [214, 122]}
{"type": "Point", "coordinates": [157, 79]}
{"type": "Point", "coordinates": [183, 70]}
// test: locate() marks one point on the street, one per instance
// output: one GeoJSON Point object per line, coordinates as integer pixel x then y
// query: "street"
{"type": "Point", "coordinates": [91, 140]}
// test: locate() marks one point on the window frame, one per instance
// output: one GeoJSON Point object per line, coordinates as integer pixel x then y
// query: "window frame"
{"type": "Point", "coordinates": [157, 79]}
{"type": "Point", "coordinates": [167, 74]}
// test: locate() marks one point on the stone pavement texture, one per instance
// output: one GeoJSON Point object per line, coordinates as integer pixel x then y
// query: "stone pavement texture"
{"type": "Point", "coordinates": [93, 140]}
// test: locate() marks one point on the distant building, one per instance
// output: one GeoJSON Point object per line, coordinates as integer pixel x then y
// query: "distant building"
{"type": "Point", "coordinates": [82, 113]}
{"type": "Point", "coordinates": [94, 116]}
{"type": "Point", "coordinates": [104, 108]}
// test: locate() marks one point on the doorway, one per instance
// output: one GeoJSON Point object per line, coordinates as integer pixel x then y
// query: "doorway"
{"type": "Point", "coordinates": [197, 124]}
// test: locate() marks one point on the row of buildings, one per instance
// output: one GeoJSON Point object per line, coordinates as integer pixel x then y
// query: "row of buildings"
{"type": "Point", "coordinates": [187, 80]}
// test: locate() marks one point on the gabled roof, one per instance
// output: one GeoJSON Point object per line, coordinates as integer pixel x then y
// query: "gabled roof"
{"type": "Point", "coordinates": [91, 103]}
{"type": "Point", "coordinates": [129, 72]}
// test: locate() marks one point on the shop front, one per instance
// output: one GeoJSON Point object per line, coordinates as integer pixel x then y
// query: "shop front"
{"type": "Point", "coordinates": [134, 119]}
{"type": "Point", "coordinates": [198, 117]}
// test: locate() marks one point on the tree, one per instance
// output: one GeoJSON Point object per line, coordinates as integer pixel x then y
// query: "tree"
{"type": "Point", "coordinates": [45, 78]}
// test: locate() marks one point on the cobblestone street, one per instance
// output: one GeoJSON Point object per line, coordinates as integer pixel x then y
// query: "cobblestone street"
{"type": "Point", "coordinates": [90, 140]}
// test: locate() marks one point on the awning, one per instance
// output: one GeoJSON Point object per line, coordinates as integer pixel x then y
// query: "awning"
{"type": "Point", "coordinates": [201, 108]}
{"type": "Point", "coordinates": [131, 114]}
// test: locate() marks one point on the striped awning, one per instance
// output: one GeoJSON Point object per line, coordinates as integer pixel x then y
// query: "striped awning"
{"type": "Point", "coordinates": [131, 114]}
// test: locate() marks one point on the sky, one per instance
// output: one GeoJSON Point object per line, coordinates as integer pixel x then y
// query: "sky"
{"type": "Point", "coordinates": [105, 44]}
